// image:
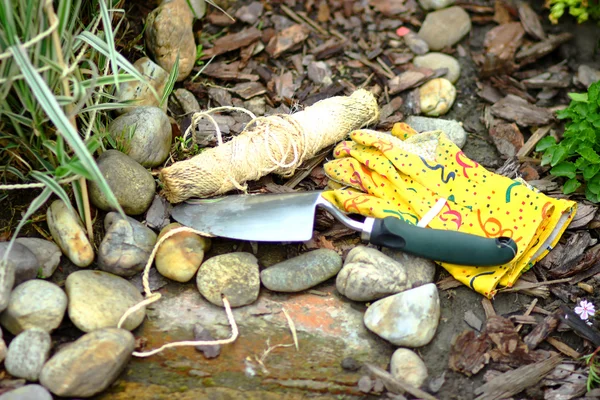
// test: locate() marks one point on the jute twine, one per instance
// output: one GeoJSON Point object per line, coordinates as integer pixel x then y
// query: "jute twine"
{"type": "Point", "coordinates": [275, 144]}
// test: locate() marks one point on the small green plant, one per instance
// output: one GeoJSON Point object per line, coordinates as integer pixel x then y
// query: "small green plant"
{"type": "Point", "coordinates": [593, 363]}
{"type": "Point", "coordinates": [199, 54]}
{"type": "Point", "coordinates": [580, 9]}
{"type": "Point", "coordinates": [576, 157]}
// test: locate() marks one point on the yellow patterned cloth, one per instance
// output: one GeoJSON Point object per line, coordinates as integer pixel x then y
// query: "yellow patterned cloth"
{"type": "Point", "coordinates": [415, 176]}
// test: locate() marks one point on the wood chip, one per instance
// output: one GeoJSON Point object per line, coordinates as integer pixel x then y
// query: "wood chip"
{"type": "Point", "coordinates": [584, 215]}
{"type": "Point", "coordinates": [507, 138]}
{"type": "Point", "coordinates": [541, 332]}
{"type": "Point", "coordinates": [408, 80]}
{"type": "Point", "coordinates": [530, 54]}
{"type": "Point", "coordinates": [568, 317]}
{"type": "Point", "coordinates": [329, 48]}
{"type": "Point", "coordinates": [515, 109]}
{"type": "Point", "coordinates": [564, 348]}
{"type": "Point", "coordinates": [528, 312]}
{"type": "Point", "coordinates": [232, 42]}
{"type": "Point", "coordinates": [488, 308]}
{"type": "Point", "coordinates": [221, 70]}
{"type": "Point", "coordinates": [564, 257]}
{"type": "Point", "coordinates": [501, 43]}
{"type": "Point", "coordinates": [248, 90]}
{"type": "Point", "coordinates": [530, 144]}
{"type": "Point", "coordinates": [531, 21]}
{"type": "Point", "coordinates": [548, 80]}
{"type": "Point", "coordinates": [287, 39]}
{"type": "Point", "coordinates": [395, 385]}
{"type": "Point", "coordinates": [517, 380]}
{"type": "Point", "coordinates": [448, 283]}
{"type": "Point", "coordinates": [469, 353]}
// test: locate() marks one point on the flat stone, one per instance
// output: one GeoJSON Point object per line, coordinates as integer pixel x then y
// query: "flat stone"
{"type": "Point", "coordinates": [34, 304]}
{"type": "Point", "coordinates": [421, 270]}
{"type": "Point", "coordinates": [302, 272]}
{"type": "Point", "coordinates": [27, 392]}
{"type": "Point", "coordinates": [27, 354]}
{"type": "Point", "coordinates": [435, 4]}
{"type": "Point", "coordinates": [68, 233]}
{"type": "Point", "coordinates": [453, 129]}
{"type": "Point", "coordinates": [139, 93]}
{"type": "Point", "coordinates": [132, 184]}
{"type": "Point", "coordinates": [47, 253]}
{"type": "Point", "coordinates": [407, 366]}
{"type": "Point", "coordinates": [408, 319]}
{"type": "Point", "coordinates": [234, 275]}
{"type": "Point", "coordinates": [126, 247]}
{"type": "Point", "coordinates": [179, 257]}
{"type": "Point", "coordinates": [440, 60]}
{"type": "Point", "coordinates": [369, 275]}
{"type": "Point", "coordinates": [98, 300]}
{"type": "Point", "coordinates": [88, 365]}
{"type": "Point", "coordinates": [437, 97]}
{"type": "Point", "coordinates": [144, 134]}
{"type": "Point", "coordinates": [202, 334]}
{"type": "Point", "coordinates": [320, 73]}
{"type": "Point", "coordinates": [445, 27]}
{"type": "Point", "coordinates": [169, 34]}
{"type": "Point", "coordinates": [187, 101]}
{"type": "Point", "coordinates": [587, 75]}
{"type": "Point", "coordinates": [158, 215]}
{"type": "Point", "coordinates": [26, 264]}
{"type": "Point", "coordinates": [416, 43]}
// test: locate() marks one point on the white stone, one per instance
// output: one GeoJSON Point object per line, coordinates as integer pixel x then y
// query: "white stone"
{"type": "Point", "coordinates": [407, 366]}
{"type": "Point", "coordinates": [440, 60]}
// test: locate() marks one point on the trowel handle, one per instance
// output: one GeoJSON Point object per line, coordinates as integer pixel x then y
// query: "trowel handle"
{"type": "Point", "coordinates": [439, 245]}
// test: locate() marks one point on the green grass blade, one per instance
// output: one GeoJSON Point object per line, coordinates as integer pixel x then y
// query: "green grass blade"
{"type": "Point", "coordinates": [106, 80]}
{"type": "Point", "coordinates": [54, 186]}
{"type": "Point", "coordinates": [170, 83]}
{"type": "Point", "coordinates": [110, 40]}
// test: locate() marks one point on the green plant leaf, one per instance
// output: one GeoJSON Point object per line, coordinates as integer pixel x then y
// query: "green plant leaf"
{"type": "Point", "coordinates": [593, 185]}
{"type": "Point", "coordinates": [593, 93]}
{"type": "Point", "coordinates": [170, 83]}
{"type": "Point", "coordinates": [546, 142]}
{"type": "Point", "coordinates": [589, 154]}
{"type": "Point", "coordinates": [590, 195]}
{"type": "Point", "coordinates": [110, 40]}
{"type": "Point", "coordinates": [558, 156]}
{"type": "Point", "coordinates": [590, 171]}
{"type": "Point", "coordinates": [54, 186]}
{"type": "Point", "coordinates": [571, 185]}
{"type": "Point", "coordinates": [548, 154]}
{"type": "Point", "coordinates": [565, 168]}
{"type": "Point", "coordinates": [582, 97]}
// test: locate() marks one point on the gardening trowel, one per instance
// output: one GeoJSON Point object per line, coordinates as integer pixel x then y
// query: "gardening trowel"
{"type": "Point", "coordinates": [290, 217]}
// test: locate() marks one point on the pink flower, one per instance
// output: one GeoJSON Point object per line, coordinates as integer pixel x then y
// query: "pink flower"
{"type": "Point", "coordinates": [585, 309]}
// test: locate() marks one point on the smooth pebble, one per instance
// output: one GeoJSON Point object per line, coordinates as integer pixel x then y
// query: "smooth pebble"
{"type": "Point", "coordinates": [407, 366]}
{"type": "Point", "coordinates": [47, 253]}
{"type": "Point", "coordinates": [27, 392]}
{"type": "Point", "coordinates": [68, 233]}
{"type": "Point", "coordinates": [140, 93]}
{"type": "Point", "coordinates": [26, 264]}
{"type": "Point", "coordinates": [437, 97]}
{"type": "Point", "coordinates": [444, 28]}
{"type": "Point", "coordinates": [27, 354]}
{"type": "Point", "coordinates": [453, 129]}
{"type": "Point", "coordinates": [440, 60]}
{"type": "Point", "coordinates": [179, 256]}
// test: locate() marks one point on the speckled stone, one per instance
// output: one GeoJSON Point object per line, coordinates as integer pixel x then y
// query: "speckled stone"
{"type": "Point", "coordinates": [68, 233]}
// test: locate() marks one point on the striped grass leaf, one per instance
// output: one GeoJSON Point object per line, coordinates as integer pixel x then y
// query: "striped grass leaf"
{"type": "Point", "coordinates": [54, 186]}
{"type": "Point", "coordinates": [170, 82]}
{"type": "Point", "coordinates": [110, 40]}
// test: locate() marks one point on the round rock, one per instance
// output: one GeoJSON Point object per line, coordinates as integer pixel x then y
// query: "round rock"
{"type": "Point", "coordinates": [407, 366]}
{"type": "Point", "coordinates": [302, 272]}
{"type": "Point", "coordinates": [98, 300]}
{"type": "Point", "coordinates": [437, 97]}
{"type": "Point", "coordinates": [369, 275]}
{"type": "Point", "coordinates": [407, 319]}
{"type": "Point", "coordinates": [3, 349]}
{"type": "Point", "coordinates": [453, 129]}
{"type": "Point", "coordinates": [88, 365]}
{"type": "Point", "coordinates": [7, 281]}
{"type": "Point", "coordinates": [179, 256]}
{"type": "Point", "coordinates": [34, 304]}
{"type": "Point", "coordinates": [126, 247]}
{"type": "Point", "coordinates": [47, 253]}
{"type": "Point", "coordinates": [139, 93]}
{"type": "Point", "coordinates": [67, 231]}
{"type": "Point", "coordinates": [27, 392]}
{"type": "Point", "coordinates": [26, 264]}
{"type": "Point", "coordinates": [435, 4]}
{"type": "Point", "coordinates": [445, 27]}
{"type": "Point", "coordinates": [169, 33]}
{"type": "Point", "coordinates": [234, 275]}
{"type": "Point", "coordinates": [132, 184]}
{"type": "Point", "coordinates": [144, 134]}
{"type": "Point", "coordinates": [27, 354]}
{"type": "Point", "coordinates": [187, 101]}
{"type": "Point", "coordinates": [440, 60]}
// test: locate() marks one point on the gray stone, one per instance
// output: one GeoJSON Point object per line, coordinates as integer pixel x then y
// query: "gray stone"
{"type": "Point", "coordinates": [452, 128]}
{"type": "Point", "coordinates": [586, 75]}
{"type": "Point", "coordinates": [369, 275]}
{"type": "Point", "coordinates": [445, 27]}
{"type": "Point", "coordinates": [220, 95]}
{"type": "Point", "coordinates": [319, 73]}
{"type": "Point", "coordinates": [159, 213]}
{"type": "Point", "coordinates": [407, 366]}
{"type": "Point", "coordinates": [68, 233]}
{"type": "Point", "coordinates": [415, 43]}
{"type": "Point", "coordinates": [7, 281]}
{"type": "Point", "coordinates": [435, 4]}
{"type": "Point", "coordinates": [187, 101]}
{"type": "Point", "coordinates": [88, 365]}
{"type": "Point", "coordinates": [126, 247]}
{"type": "Point", "coordinates": [419, 271]}
{"type": "Point", "coordinates": [234, 275]}
{"type": "Point", "coordinates": [198, 8]}
{"type": "Point", "coordinates": [202, 334]}
{"type": "Point", "coordinates": [256, 105]}
{"type": "Point", "coordinates": [98, 300]}
{"type": "Point", "coordinates": [139, 93]}
{"type": "Point", "coordinates": [34, 304]}
{"type": "Point", "coordinates": [27, 354]}
{"type": "Point", "coordinates": [26, 264]}
{"type": "Point", "coordinates": [27, 392]}
{"type": "Point", "coordinates": [440, 60]}
{"type": "Point", "coordinates": [408, 319]}
{"type": "Point", "coordinates": [302, 272]}
{"type": "Point", "coordinates": [132, 184]}
{"type": "Point", "coordinates": [144, 134]}
{"type": "Point", "coordinates": [47, 253]}
{"type": "Point", "coordinates": [169, 34]}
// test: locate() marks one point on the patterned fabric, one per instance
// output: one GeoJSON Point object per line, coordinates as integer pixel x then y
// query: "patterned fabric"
{"type": "Point", "coordinates": [405, 174]}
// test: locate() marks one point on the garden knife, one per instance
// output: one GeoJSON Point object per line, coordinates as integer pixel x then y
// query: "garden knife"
{"type": "Point", "coordinates": [289, 217]}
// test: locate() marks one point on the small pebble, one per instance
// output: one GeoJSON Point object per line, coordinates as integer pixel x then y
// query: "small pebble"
{"type": "Point", "coordinates": [445, 27]}
{"type": "Point", "coordinates": [139, 93]}
{"type": "Point", "coordinates": [27, 392]}
{"type": "Point", "coordinates": [250, 13]}
{"type": "Point", "coordinates": [34, 304]}
{"type": "Point", "coordinates": [302, 272]}
{"type": "Point", "coordinates": [201, 333]}
{"type": "Point", "coordinates": [415, 43]}
{"type": "Point", "coordinates": [587, 75]}
{"type": "Point", "coordinates": [407, 319]}
{"type": "Point", "coordinates": [365, 384]}
{"type": "Point", "coordinates": [27, 354]}
{"type": "Point", "coordinates": [144, 134]}
{"type": "Point", "coordinates": [126, 246]}
{"type": "Point", "coordinates": [407, 366]}
{"type": "Point", "coordinates": [350, 364]}
{"type": "Point", "coordinates": [234, 275]}
{"type": "Point", "coordinates": [179, 257]}
{"type": "Point", "coordinates": [88, 365]}
{"type": "Point", "coordinates": [47, 253]}
{"type": "Point", "coordinates": [440, 60]}
{"type": "Point", "coordinates": [132, 184]}
{"type": "Point", "coordinates": [437, 97]}
{"type": "Point", "coordinates": [68, 233]}
{"type": "Point", "coordinates": [158, 215]}
{"type": "Point", "coordinates": [187, 101]}
{"type": "Point", "coordinates": [453, 129]}
{"type": "Point", "coordinates": [435, 4]}
{"type": "Point", "coordinates": [26, 264]}
{"type": "Point", "coordinates": [320, 73]}
{"type": "Point", "coordinates": [98, 300]}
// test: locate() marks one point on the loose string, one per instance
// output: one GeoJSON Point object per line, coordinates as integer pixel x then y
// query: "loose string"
{"type": "Point", "coordinates": [154, 297]}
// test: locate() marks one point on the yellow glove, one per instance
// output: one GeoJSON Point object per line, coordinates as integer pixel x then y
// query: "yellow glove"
{"type": "Point", "coordinates": [427, 180]}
